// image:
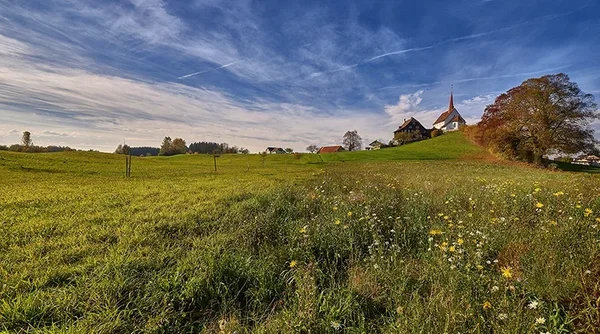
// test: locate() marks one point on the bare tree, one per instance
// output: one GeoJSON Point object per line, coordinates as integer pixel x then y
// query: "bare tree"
{"type": "Point", "coordinates": [352, 141]}
{"type": "Point", "coordinates": [312, 148]}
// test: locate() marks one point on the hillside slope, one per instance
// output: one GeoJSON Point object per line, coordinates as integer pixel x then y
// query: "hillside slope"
{"type": "Point", "coordinates": [452, 145]}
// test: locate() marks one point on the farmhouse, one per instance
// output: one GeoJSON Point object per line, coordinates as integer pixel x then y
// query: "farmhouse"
{"type": "Point", "coordinates": [450, 120]}
{"type": "Point", "coordinates": [275, 150]}
{"type": "Point", "coordinates": [590, 160]}
{"type": "Point", "coordinates": [375, 145]}
{"type": "Point", "coordinates": [412, 126]}
{"type": "Point", "coordinates": [330, 149]}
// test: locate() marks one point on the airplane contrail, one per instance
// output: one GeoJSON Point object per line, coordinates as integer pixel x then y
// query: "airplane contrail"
{"type": "Point", "coordinates": [201, 72]}
{"type": "Point", "coordinates": [472, 36]}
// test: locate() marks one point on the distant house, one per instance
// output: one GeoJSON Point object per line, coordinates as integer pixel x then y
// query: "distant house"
{"type": "Point", "coordinates": [412, 126]}
{"type": "Point", "coordinates": [449, 120]}
{"type": "Point", "coordinates": [330, 149]}
{"type": "Point", "coordinates": [275, 150]}
{"type": "Point", "coordinates": [590, 160]}
{"type": "Point", "coordinates": [376, 145]}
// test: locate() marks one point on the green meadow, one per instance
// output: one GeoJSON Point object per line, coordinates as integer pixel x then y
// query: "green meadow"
{"type": "Point", "coordinates": [431, 237]}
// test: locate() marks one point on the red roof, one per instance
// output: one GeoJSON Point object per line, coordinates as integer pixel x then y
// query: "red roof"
{"type": "Point", "coordinates": [330, 149]}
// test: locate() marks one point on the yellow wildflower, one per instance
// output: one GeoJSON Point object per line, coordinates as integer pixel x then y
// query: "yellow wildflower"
{"type": "Point", "coordinates": [335, 208]}
{"type": "Point", "coordinates": [598, 219]}
{"type": "Point", "coordinates": [506, 272]}
{"type": "Point", "coordinates": [293, 263]}
{"type": "Point", "coordinates": [303, 229]}
{"type": "Point", "coordinates": [487, 305]}
{"type": "Point", "coordinates": [337, 222]}
{"type": "Point", "coordinates": [435, 232]}
{"type": "Point", "coordinates": [559, 193]}
{"type": "Point", "coordinates": [452, 249]}
{"type": "Point", "coordinates": [446, 217]}
{"type": "Point", "coordinates": [554, 223]}
{"type": "Point", "coordinates": [460, 241]}
{"type": "Point", "coordinates": [349, 213]}
{"type": "Point", "coordinates": [479, 267]}
{"type": "Point", "coordinates": [539, 205]}
{"type": "Point", "coordinates": [587, 212]}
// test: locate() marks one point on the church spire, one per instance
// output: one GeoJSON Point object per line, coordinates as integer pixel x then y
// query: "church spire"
{"type": "Point", "coordinates": [451, 106]}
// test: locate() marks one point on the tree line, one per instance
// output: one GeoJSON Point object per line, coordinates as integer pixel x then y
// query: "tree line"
{"type": "Point", "coordinates": [179, 146]}
{"type": "Point", "coordinates": [27, 145]}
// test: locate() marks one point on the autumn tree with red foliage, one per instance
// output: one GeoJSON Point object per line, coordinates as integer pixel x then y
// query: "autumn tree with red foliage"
{"type": "Point", "coordinates": [546, 115]}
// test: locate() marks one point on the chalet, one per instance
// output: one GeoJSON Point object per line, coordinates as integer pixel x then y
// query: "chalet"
{"type": "Point", "coordinates": [376, 145]}
{"type": "Point", "coordinates": [330, 149]}
{"type": "Point", "coordinates": [412, 126]}
{"type": "Point", "coordinates": [449, 120]}
{"type": "Point", "coordinates": [275, 150]}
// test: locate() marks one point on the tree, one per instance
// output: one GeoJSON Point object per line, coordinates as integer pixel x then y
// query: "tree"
{"type": "Point", "coordinates": [312, 148]}
{"type": "Point", "coordinates": [165, 147]}
{"type": "Point", "coordinates": [547, 115]}
{"type": "Point", "coordinates": [123, 149]}
{"type": "Point", "coordinates": [352, 141]}
{"type": "Point", "coordinates": [26, 140]}
{"type": "Point", "coordinates": [178, 146]}
{"type": "Point", "coordinates": [289, 150]}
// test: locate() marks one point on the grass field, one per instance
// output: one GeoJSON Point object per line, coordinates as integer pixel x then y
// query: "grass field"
{"type": "Point", "coordinates": [432, 237]}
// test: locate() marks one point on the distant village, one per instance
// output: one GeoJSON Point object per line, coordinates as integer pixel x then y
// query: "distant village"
{"type": "Point", "coordinates": [410, 130]}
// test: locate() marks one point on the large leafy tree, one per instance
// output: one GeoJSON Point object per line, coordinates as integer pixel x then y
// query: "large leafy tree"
{"type": "Point", "coordinates": [541, 116]}
{"type": "Point", "coordinates": [352, 141]}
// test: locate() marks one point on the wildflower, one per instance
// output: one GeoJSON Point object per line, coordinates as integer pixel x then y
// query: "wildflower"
{"type": "Point", "coordinates": [502, 316]}
{"type": "Point", "coordinates": [452, 249]}
{"type": "Point", "coordinates": [598, 219]}
{"type": "Point", "coordinates": [495, 288]}
{"type": "Point", "coordinates": [540, 321]}
{"type": "Point", "coordinates": [293, 263]}
{"type": "Point", "coordinates": [559, 193]}
{"type": "Point", "coordinates": [513, 195]}
{"type": "Point", "coordinates": [335, 208]}
{"type": "Point", "coordinates": [349, 213]}
{"type": "Point", "coordinates": [487, 305]}
{"type": "Point", "coordinates": [435, 232]}
{"type": "Point", "coordinates": [533, 305]}
{"type": "Point", "coordinates": [537, 190]}
{"type": "Point", "coordinates": [539, 205]}
{"type": "Point", "coordinates": [554, 223]}
{"type": "Point", "coordinates": [446, 217]}
{"type": "Point", "coordinates": [460, 241]}
{"type": "Point", "coordinates": [587, 212]}
{"type": "Point", "coordinates": [336, 325]}
{"type": "Point", "coordinates": [479, 267]}
{"type": "Point", "coordinates": [337, 222]}
{"type": "Point", "coordinates": [506, 272]}
{"type": "Point", "coordinates": [303, 229]}
{"type": "Point", "coordinates": [399, 309]}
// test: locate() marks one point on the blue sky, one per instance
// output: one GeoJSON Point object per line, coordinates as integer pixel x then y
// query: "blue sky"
{"type": "Point", "coordinates": [92, 74]}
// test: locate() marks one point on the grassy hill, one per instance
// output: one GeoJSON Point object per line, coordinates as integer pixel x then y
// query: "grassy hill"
{"type": "Point", "coordinates": [452, 145]}
{"type": "Point", "coordinates": [415, 239]}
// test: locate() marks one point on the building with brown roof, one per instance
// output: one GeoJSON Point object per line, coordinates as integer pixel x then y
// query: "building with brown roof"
{"type": "Point", "coordinates": [330, 149]}
{"type": "Point", "coordinates": [411, 125]}
{"type": "Point", "coordinates": [449, 120]}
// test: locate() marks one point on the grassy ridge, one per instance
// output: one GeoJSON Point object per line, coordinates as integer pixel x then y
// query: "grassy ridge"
{"type": "Point", "coordinates": [296, 245]}
{"type": "Point", "coordinates": [452, 145]}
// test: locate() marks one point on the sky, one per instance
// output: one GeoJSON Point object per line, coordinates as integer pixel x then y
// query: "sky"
{"type": "Point", "coordinates": [92, 74]}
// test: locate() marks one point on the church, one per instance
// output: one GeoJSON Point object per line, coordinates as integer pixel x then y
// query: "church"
{"type": "Point", "coordinates": [450, 120]}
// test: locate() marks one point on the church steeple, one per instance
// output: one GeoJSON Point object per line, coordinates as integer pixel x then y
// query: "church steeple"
{"type": "Point", "coordinates": [451, 106]}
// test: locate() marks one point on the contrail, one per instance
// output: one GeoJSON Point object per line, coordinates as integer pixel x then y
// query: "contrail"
{"type": "Point", "coordinates": [482, 78]}
{"type": "Point", "coordinates": [214, 69]}
{"type": "Point", "coordinates": [462, 38]}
